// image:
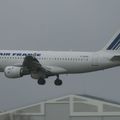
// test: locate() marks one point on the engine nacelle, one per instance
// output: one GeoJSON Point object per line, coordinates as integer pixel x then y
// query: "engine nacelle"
{"type": "Point", "coordinates": [13, 72]}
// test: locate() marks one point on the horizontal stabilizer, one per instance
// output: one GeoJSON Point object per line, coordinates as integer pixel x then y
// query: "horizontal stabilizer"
{"type": "Point", "coordinates": [116, 58]}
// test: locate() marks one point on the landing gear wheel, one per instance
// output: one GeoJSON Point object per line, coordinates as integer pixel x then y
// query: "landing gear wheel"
{"type": "Point", "coordinates": [41, 82]}
{"type": "Point", "coordinates": [58, 82]}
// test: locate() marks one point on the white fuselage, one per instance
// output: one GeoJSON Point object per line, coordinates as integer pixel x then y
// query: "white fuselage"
{"type": "Point", "coordinates": [62, 62]}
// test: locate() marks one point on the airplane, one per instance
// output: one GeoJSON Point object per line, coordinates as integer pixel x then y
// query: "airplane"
{"type": "Point", "coordinates": [43, 64]}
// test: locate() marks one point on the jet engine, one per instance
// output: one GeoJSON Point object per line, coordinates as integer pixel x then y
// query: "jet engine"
{"type": "Point", "coordinates": [13, 72]}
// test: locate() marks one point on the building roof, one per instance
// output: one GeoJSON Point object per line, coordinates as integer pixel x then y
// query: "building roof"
{"type": "Point", "coordinates": [100, 99]}
{"type": "Point", "coordinates": [79, 105]}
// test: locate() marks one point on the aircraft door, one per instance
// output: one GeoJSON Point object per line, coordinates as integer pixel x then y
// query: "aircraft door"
{"type": "Point", "coordinates": [95, 60]}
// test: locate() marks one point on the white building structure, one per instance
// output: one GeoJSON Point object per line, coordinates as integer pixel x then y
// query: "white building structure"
{"type": "Point", "coordinates": [71, 107]}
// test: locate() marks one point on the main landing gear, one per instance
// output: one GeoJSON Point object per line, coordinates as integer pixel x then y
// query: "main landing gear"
{"type": "Point", "coordinates": [57, 82]}
{"type": "Point", "coordinates": [41, 81]}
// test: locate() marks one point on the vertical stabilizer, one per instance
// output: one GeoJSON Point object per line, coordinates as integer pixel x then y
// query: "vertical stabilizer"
{"type": "Point", "coordinates": [114, 43]}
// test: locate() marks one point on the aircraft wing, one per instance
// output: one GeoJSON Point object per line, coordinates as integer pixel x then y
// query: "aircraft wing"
{"type": "Point", "coordinates": [33, 65]}
{"type": "Point", "coordinates": [116, 58]}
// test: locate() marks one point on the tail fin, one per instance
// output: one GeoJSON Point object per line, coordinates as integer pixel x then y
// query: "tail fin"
{"type": "Point", "coordinates": [114, 43]}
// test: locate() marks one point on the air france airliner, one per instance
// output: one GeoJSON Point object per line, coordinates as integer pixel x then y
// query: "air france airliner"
{"type": "Point", "coordinates": [43, 64]}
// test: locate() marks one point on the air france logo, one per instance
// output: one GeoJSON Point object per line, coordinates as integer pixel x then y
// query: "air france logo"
{"type": "Point", "coordinates": [20, 54]}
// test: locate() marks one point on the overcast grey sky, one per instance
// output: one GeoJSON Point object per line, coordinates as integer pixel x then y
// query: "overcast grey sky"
{"type": "Point", "coordinates": [82, 25]}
